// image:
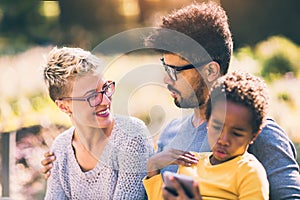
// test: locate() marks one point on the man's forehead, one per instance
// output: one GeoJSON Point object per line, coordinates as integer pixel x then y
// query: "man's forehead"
{"type": "Point", "coordinates": [174, 56]}
{"type": "Point", "coordinates": [170, 58]}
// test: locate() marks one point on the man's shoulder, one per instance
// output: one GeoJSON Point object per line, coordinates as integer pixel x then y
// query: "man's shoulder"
{"type": "Point", "coordinates": [174, 129]}
{"type": "Point", "coordinates": [271, 130]}
{"type": "Point", "coordinates": [177, 124]}
{"type": "Point", "coordinates": [270, 124]}
{"type": "Point", "coordinates": [272, 140]}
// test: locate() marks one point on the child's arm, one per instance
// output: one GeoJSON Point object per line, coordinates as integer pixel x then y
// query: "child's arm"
{"type": "Point", "coordinates": [169, 157]}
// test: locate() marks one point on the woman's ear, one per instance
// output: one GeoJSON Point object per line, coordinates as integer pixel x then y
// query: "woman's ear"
{"type": "Point", "coordinates": [63, 106]}
{"type": "Point", "coordinates": [213, 71]}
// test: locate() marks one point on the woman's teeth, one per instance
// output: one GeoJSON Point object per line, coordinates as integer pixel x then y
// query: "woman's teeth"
{"type": "Point", "coordinates": [103, 112]}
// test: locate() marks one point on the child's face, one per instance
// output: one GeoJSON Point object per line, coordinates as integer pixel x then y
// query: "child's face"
{"type": "Point", "coordinates": [229, 130]}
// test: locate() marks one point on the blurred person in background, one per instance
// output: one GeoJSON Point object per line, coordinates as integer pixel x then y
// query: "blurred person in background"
{"type": "Point", "coordinates": [102, 156]}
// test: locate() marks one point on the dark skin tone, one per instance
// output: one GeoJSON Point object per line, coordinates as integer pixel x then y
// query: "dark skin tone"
{"type": "Point", "coordinates": [48, 163]}
{"type": "Point", "coordinates": [236, 134]}
{"type": "Point", "coordinates": [167, 157]}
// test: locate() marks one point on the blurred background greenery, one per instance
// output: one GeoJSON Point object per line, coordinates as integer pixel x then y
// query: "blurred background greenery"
{"type": "Point", "coordinates": [266, 35]}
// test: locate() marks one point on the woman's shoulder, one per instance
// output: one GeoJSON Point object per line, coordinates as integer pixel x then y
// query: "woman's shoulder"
{"type": "Point", "coordinates": [63, 140]}
{"type": "Point", "coordinates": [129, 121]}
{"type": "Point", "coordinates": [131, 132]}
{"type": "Point", "coordinates": [130, 126]}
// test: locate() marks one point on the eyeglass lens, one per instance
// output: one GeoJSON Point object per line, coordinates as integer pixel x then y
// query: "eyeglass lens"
{"type": "Point", "coordinates": [171, 72]}
{"type": "Point", "coordinates": [97, 98]}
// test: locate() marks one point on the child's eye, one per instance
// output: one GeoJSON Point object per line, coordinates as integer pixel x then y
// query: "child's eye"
{"type": "Point", "coordinates": [237, 134]}
{"type": "Point", "coordinates": [217, 127]}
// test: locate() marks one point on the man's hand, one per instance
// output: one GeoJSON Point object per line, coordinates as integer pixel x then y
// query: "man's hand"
{"type": "Point", "coordinates": [181, 193]}
{"type": "Point", "coordinates": [47, 163]}
{"type": "Point", "coordinates": [169, 157]}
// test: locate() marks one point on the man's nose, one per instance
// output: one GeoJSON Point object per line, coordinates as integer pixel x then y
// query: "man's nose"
{"type": "Point", "coordinates": [167, 79]}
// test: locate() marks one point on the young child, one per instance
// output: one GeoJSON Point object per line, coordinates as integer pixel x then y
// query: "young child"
{"type": "Point", "coordinates": [235, 113]}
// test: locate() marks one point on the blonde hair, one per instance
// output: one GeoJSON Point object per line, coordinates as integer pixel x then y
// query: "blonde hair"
{"type": "Point", "coordinates": [65, 64]}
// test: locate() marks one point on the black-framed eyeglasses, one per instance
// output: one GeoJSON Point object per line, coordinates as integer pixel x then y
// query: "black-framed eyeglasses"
{"type": "Point", "coordinates": [173, 70]}
{"type": "Point", "coordinates": [96, 98]}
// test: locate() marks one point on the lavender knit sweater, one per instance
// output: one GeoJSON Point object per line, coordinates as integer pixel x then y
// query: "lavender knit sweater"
{"type": "Point", "coordinates": [118, 174]}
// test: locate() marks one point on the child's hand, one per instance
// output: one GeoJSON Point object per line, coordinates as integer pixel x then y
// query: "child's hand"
{"type": "Point", "coordinates": [169, 157]}
{"type": "Point", "coordinates": [47, 163]}
{"type": "Point", "coordinates": [180, 191]}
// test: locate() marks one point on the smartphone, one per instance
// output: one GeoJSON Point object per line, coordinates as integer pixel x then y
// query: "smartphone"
{"type": "Point", "coordinates": [186, 183]}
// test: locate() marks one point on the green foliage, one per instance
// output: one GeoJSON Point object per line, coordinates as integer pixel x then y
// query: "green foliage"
{"type": "Point", "coordinates": [22, 26]}
{"type": "Point", "coordinates": [15, 107]}
{"type": "Point", "coordinates": [278, 56]}
{"type": "Point", "coordinates": [253, 20]}
{"type": "Point", "coordinates": [284, 97]}
{"type": "Point", "coordinates": [39, 101]}
{"type": "Point", "coordinates": [276, 66]}
{"type": "Point", "coordinates": [24, 111]}
{"type": "Point", "coordinates": [287, 99]}
{"type": "Point", "coordinates": [297, 145]}
{"type": "Point", "coordinates": [9, 46]}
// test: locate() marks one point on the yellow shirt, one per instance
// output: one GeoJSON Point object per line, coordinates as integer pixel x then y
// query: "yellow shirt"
{"type": "Point", "coordinates": [240, 178]}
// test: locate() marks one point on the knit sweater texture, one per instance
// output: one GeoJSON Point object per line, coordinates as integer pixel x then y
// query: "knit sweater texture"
{"type": "Point", "coordinates": [118, 173]}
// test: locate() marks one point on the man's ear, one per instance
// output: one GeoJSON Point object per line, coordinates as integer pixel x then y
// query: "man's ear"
{"type": "Point", "coordinates": [63, 106]}
{"type": "Point", "coordinates": [213, 71]}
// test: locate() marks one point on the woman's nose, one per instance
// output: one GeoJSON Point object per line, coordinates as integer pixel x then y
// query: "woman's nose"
{"type": "Point", "coordinates": [105, 99]}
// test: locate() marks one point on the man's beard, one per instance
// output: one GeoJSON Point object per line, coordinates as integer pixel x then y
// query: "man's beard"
{"type": "Point", "coordinates": [198, 97]}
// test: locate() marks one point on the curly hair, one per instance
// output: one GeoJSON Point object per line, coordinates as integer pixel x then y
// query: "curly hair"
{"type": "Point", "coordinates": [206, 23]}
{"type": "Point", "coordinates": [242, 88]}
{"type": "Point", "coordinates": [65, 64]}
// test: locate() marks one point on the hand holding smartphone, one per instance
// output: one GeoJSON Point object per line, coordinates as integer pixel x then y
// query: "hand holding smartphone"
{"type": "Point", "coordinates": [186, 183]}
